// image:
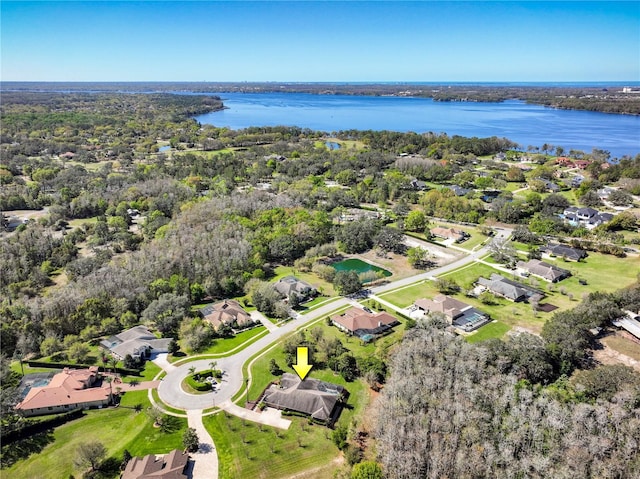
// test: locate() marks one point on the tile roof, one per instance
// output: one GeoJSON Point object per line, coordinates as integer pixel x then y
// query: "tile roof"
{"type": "Point", "coordinates": [355, 319]}
{"type": "Point", "coordinates": [227, 312]}
{"type": "Point", "coordinates": [69, 387]}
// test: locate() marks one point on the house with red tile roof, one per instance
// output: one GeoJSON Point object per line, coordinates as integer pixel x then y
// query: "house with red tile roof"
{"type": "Point", "coordinates": [68, 390]}
{"type": "Point", "coordinates": [362, 323]}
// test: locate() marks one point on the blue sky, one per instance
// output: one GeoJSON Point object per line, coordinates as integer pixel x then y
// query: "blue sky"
{"type": "Point", "coordinates": [320, 41]}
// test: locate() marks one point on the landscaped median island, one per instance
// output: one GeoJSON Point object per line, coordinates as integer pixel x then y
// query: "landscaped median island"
{"type": "Point", "coordinates": [202, 381]}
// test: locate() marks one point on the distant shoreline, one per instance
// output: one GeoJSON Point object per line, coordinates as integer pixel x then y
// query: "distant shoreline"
{"type": "Point", "coordinates": [605, 97]}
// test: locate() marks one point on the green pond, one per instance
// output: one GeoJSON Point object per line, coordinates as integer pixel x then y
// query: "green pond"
{"type": "Point", "coordinates": [358, 266]}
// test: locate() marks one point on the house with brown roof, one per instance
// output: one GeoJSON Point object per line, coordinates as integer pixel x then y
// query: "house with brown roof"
{"type": "Point", "coordinates": [362, 323]}
{"type": "Point", "coordinates": [227, 312]}
{"type": "Point", "coordinates": [543, 270]}
{"type": "Point", "coordinates": [318, 399]}
{"type": "Point", "coordinates": [291, 285]}
{"type": "Point", "coordinates": [458, 314]}
{"type": "Point", "coordinates": [449, 234]}
{"type": "Point", "coordinates": [68, 390]}
{"type": "Point", "coordinates": [171, 466]}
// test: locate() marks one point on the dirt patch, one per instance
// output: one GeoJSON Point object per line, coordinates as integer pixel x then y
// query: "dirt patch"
{"type": "Point", "coordinates": [611, 356]}
{"type": "Point", "coordinates": [322, 472]}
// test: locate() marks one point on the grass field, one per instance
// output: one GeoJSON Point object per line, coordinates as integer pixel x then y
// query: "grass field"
{"type": "Point", "coordinates": [222, 346]}
{"type": "Point", "coordinates": [495, 329]}
{"type": "Point", "coordinates": [117, 428]}
{"type": "Point", "coordinates": [602, 273]}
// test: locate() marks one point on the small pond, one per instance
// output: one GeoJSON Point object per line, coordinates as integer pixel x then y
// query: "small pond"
{"type": "Point", "coordinates": [358, 266]}
{"type": "Point", "coordinates": [332, 145]}
{"type": "Point", "coordinates": [164, 148]}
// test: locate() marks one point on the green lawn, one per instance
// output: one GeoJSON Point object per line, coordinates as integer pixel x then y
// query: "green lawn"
{"type": "Point", "coordinates": [495, 329]}
{"type": "Point", "coordinates": [117, 428]}
{"type": "Point", "coordinates": [406, 296]}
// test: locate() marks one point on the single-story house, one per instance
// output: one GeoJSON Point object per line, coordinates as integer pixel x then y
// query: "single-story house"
{"type": "Point", "coordinates": [361, 323]}
{"type": "Point", "coordinates": [511, 290]}
{"type": "Point", "coordinates": [292, 285]}
{"type": "Point", "coordinates": [543, 270]}
{"type": "Point", "coordinates": [68, 390]}
{"type": "Point", "coordinates": [563, 251]}
{"type": "Point", "coordinates": [318, 399]}
{"type": "Point", "coordinates": [458, 190]}
{"type": "Point", "coordinates": [170, 466]}
{"type": "Point", "coordinates": [458, 314]}
{"type": "Point", "coordinates": [228, 312]}
{"type": "Point", "coordinates": [138, 342]}
{"type": "Point", "coordinates": [449, 233]}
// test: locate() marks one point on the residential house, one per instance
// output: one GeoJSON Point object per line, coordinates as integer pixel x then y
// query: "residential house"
{"type": "Point", "coordinates": [364, 324]}
{"type": "Point", "coordinates": [563, 251]}
{"type": "Point", "coordinates": [291, 285]}
{"type": "Point", "coordinates": [582, 164]}
{"type": "Point", "coordinates": [549, 185]}
{"type": "Point", "coordinates": [511, 290]}
{"type": "Point", "coordinates": [68, 390]}
{"type": "Point", "coordinates": [564, 161]}
{"type": "Point", "coordinates": [418, 185]}
{"type": "Point", "coordinates": [138, 342]}
{"type": "Point", "coordinates": [170, 466]}
{"type": "Point", "coordinates": [320, 400]}
{"type": "Point", "coordinates": [449, 234]}
{"type": "Point", "coordinates": [227, 312]}
{"type": "Point", "coordinates": [458, 314]}
{"type": "Point", "coordinates": [543, 270]}
{"type": "Point", "coordinates": [587, 217]}
{"type": "Point", "coordinates": [458, 190]}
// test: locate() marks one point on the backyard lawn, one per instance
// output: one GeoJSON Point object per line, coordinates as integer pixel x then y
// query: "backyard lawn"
{"type": "Point", "coordinates": [117, 428]}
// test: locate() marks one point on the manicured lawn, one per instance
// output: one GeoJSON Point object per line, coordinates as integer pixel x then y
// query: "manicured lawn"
{"type": "Point", "coordinates": [325, 288]}
{"type": "Point", "coordinates": [495, 329]}
{"type": "Point", "coordinates": [117, 428]}
{"type": "Point", "coordinates": [221, 346]}
{"type": "Point", "coordinates": [406, 296]}
{"type": "Point", "coordinates": [467, 275]}
{"type": "Point", "coordinates": [248, 450]}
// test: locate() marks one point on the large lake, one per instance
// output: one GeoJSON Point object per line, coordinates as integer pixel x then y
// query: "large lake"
{"type": "Point", "coordinates": [525, 124]}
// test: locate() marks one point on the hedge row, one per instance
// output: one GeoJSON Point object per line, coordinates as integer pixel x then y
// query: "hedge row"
{"type": "Point", "coordinates": [41, 426]}
{"type": "Point", "coordinates": [54, 365]}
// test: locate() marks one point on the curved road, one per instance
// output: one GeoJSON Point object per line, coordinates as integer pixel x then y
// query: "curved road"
{"type": "Point", "coordinates": [170, 389]}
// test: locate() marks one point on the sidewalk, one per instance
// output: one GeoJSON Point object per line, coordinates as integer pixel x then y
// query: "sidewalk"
{"type": "Point", "coordinates": [206, 459]}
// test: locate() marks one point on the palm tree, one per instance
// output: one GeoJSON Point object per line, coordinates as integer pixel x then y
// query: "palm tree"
{"type": "Point", "coordinates": [192, 370]}
{"type": "Point", "coordinates": [213, 365]}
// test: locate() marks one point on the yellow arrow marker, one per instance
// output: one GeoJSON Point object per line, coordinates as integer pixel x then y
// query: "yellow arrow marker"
{"type": "Point", "coordinates": [303, 367]}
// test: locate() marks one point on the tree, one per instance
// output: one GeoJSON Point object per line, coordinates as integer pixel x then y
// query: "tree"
{"type": "Point", "coordinates": [415, 221]}
{"type": "Point", "coordinates": [90, 455]}
{"type": "Point", "coordinates": [418, 257]}
{"type": "Point", "coordinates": [348, 367]}
{"type": "Point", "coordinates": [190, 440]}
{"type": "Point", "coordinates": [126, 457]}
{"type": "Point", "coordinates": [274, 368]}
{"type": "Point", "coordinates": [347, 282]}
{"type": "Point", "coordinates": [620, 198]}
{"type": "Point", "coordinates": [590, 199]}
{"type": "Point", "coordinates": [367, 470]}
{"type": "Point", "coordinates": [502, 251]}
{"type": "Point", "coordinates": [78, 352]}
{"type": "Point", "coordinates": [390, 239]}
{"type": "Point", "coordinates": [173, 347]}
{"type": "Point", "coordinates": [166, 312]}
{"type": "Point", "coordinates": [50, 346]}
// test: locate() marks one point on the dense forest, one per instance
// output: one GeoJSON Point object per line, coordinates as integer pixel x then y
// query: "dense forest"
{"type": "Point", "coordinates": [511, 409]}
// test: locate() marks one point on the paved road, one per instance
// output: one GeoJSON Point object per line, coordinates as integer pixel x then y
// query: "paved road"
{"type": "Point", "coordinates": [170, 389]}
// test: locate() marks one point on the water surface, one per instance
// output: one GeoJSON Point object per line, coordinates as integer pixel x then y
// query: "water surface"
{"type": "Point", "coordinates": [520, 122]}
